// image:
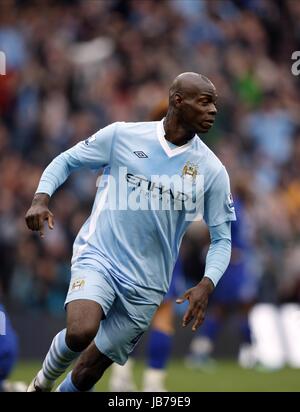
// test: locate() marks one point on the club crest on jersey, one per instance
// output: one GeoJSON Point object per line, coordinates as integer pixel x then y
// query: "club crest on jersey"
{"type": "Point", "coordinates": [77, 284]}
{"type": "Point", "coordinates": [190, 169]}
{"type": "Point", "coordinates": [90, 139]}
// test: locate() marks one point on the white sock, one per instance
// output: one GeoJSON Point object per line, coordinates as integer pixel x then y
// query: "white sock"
{"type": "Point", "coordinates": [57, 360]}
{"type": "Point", "coordinates": [154, 380]}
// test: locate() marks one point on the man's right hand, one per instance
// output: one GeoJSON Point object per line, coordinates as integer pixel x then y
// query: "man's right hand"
{"type": "Point", "coordinates": [38, 213]}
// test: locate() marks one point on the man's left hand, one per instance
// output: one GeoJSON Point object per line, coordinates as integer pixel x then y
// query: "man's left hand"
{"type": "Point", "coordinates": [198, 300]}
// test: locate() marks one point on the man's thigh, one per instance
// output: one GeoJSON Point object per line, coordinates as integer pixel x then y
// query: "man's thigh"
{"type": "Point", "coordinates": [119, 332]}
{"type": "Point", "coordinates": [88, 285]}
{"type": "Point", "coordinates": [83, 315]}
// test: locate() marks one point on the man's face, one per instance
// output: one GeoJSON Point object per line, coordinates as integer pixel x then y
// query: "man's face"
{"type": "Point", "coordinates": [197, 109]}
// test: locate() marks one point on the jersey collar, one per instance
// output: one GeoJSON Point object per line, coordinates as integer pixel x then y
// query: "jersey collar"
{"type": "Point", "coordinates": [170, 152]}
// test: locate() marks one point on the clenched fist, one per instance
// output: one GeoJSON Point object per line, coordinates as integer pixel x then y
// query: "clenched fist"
{"type": "Point", "coordinates": [38, 213]}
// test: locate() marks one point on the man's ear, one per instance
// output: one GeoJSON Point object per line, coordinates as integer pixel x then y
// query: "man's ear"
{"type": "Point", "coordinates": [177, 99]}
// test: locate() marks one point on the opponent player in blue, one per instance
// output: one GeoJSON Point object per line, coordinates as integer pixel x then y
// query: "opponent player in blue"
{"type": "Point", "coordinates": [124, 255]}
{"type": "Point", "coordinates": [236, 291]}
{"type": "Point", "coordinates": [8, 348]}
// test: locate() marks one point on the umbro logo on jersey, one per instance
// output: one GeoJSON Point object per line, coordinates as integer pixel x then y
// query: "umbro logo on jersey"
{"type": "Point", "coordinates": [140, 154]}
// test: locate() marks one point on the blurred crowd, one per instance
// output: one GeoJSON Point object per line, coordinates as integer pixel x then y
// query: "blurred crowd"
{"type": "Point", "coordinates": [76, 66]}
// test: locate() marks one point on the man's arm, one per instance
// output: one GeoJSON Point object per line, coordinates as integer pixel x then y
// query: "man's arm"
{"type": "Point", "coordinates": [93, 153]}
{"type": "Point", "coordinates": [217, 260]}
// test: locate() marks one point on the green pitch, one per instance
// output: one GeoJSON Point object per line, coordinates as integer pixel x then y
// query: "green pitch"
{"type": "Point", "coordinates": [225, 376]}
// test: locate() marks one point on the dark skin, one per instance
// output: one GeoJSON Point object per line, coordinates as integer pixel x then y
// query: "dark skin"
{"type": "Point", "coordinates": [192, 108]}
{"type": "Point", "coordinates": [191, 111]}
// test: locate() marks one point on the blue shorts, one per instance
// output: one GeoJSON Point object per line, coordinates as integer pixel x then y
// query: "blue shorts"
{"type": "Point", "coordinates": [178, 283]}
{"type": "Point", "coordinates": [127, 314]}
{"type": "Point", "coordinates": [237, 285]}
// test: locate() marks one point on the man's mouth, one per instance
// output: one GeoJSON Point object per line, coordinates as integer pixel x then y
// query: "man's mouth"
{"type": "Point", "coordinates": [208, 122]}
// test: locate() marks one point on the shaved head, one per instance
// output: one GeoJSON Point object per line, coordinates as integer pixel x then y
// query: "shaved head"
{"type": "Point", "coordinates": [192, 105]}
{"type": "Point", "coordinates": [189, 84]}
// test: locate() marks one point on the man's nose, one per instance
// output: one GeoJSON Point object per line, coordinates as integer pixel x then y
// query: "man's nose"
{"type": "Point", "coordinates": [213, 110]}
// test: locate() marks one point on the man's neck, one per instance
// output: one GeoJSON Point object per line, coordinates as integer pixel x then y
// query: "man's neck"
{"type": "Point", "coordinates": [175, 132]}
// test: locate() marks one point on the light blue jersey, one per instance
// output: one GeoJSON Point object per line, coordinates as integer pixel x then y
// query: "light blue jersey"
{"type": "Point", "coordinates": [140, 247]}
{"type": "Point", "coordinates": [124, 255]}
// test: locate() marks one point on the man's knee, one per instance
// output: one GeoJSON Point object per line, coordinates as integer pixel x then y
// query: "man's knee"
{"type": "Point", "coordinates": [163, 319]}
{"type": "Point", "coordinates": [78, 337]}
{"type": "Point", "coordinates": [83, 319]}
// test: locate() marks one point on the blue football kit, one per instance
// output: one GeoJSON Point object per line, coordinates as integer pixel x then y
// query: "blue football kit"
{"type": "Point", "coordinates": [238, 284]}
{"type": "Point", "coordinates": [8, 346]}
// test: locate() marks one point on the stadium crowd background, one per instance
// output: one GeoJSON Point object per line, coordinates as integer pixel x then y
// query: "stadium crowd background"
{"type": "Point", "coordinates": [76, 66]}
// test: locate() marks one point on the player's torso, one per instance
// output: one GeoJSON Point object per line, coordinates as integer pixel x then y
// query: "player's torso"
{"type": "Point", "coordinates": [138, 233]}
{"type": "Point", "coordinates": [155, 175]}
